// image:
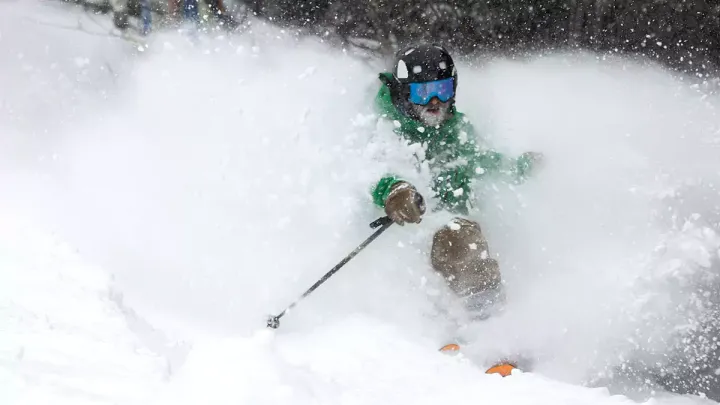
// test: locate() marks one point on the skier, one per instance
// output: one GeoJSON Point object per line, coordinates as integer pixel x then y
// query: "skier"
{"type": "Point", "coordinates": [123, 9]}
{"type": "Point", "coordinates": [216, 7]}
{"type": "Point", "coordinates": [419, 98]}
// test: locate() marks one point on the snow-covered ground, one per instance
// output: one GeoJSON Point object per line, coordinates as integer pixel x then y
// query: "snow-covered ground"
{"type": "Point", "coordinates": [158, 205]}
{"type": "Point", "coordinates": [65, 340]}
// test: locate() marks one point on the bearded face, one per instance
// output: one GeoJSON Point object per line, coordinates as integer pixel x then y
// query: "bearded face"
{"type": "Point", "coordinates": [433, 114]}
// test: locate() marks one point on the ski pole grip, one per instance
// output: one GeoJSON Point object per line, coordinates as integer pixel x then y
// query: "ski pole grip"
{"type": "Point", "coordinates": [380, 222]}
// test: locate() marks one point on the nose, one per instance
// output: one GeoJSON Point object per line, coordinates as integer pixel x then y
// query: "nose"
{"type": "Point", "coordinates": [434, 101]}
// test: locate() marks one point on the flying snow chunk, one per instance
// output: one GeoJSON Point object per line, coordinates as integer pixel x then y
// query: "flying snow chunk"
{"type": "Point", "coordinates": [421, 129]}
{"type": "Point", "coordinates": [479, 170]}
{"type": "Point", "coordinates": [396, 123]}
{"type": "Point", "coordinates": [81, 62]}
{"type": "Point", "coordinates": [463, 137]}
{"type": "Point", "coordinates": [458, 192]}
{"type": "Point", "coordinates": [473, 246]}
{"type": "Point", "coordinates": [308, 72]}
{"type": "Point", "coordinates": [454, 226]}
{"type": "Point", "coordinates": [417, 69]}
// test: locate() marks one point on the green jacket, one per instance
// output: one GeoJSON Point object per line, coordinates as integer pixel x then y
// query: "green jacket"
{"type": "Point", "coordinates": [454, 158]}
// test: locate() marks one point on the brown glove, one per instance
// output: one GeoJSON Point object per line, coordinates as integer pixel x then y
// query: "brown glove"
{"type": "Point", "coordinates": [404, 204]}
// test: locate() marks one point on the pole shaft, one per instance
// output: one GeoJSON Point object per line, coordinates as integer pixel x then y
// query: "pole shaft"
{"type": "Point", "coordinates": [383, 224]}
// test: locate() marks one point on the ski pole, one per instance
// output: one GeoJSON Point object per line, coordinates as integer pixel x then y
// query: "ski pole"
{"type": "Point", "coordinates": [383, 223]}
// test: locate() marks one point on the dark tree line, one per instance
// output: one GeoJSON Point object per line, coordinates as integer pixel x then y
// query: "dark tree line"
{"type": "Point", "coordinates": [683, 34]}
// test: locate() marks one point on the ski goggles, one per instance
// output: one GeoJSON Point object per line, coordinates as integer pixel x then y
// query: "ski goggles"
{"type": "Point", "coordinates": [422, 93]}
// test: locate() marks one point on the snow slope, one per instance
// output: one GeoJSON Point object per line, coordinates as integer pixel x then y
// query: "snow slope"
{"type": "Point", "coordinates": [63, 339]}
{"type": "Point", "coordinates": [216, 181]}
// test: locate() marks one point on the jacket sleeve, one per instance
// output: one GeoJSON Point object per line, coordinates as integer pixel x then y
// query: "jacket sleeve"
{"type": "Point", "coordinates": [381, 190]}
{"type": "Point", "coordinates": [488, 161]}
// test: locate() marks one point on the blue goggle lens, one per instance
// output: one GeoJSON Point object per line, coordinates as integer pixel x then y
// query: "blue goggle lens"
{"type": "Point", "coordinates": [422, 93]}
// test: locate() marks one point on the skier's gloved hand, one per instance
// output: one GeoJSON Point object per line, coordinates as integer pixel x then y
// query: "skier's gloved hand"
{"type": "Point", "coordinates": [529, 163]}
{"type": "Point", "coordinates": [404, 204]}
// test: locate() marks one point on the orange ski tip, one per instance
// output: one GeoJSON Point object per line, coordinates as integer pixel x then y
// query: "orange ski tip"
{"type": "Point", "coordinates": [504, 369]}
{"type": "Point", "coordinates": [452, 347]}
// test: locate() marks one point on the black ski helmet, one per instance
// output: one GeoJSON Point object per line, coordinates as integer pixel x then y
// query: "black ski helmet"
{"type": "Point", "coordinates": [416, 64]}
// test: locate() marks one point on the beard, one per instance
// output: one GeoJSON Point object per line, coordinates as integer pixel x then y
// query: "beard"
{"type": "Point", "coordinates": [432, 115]}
